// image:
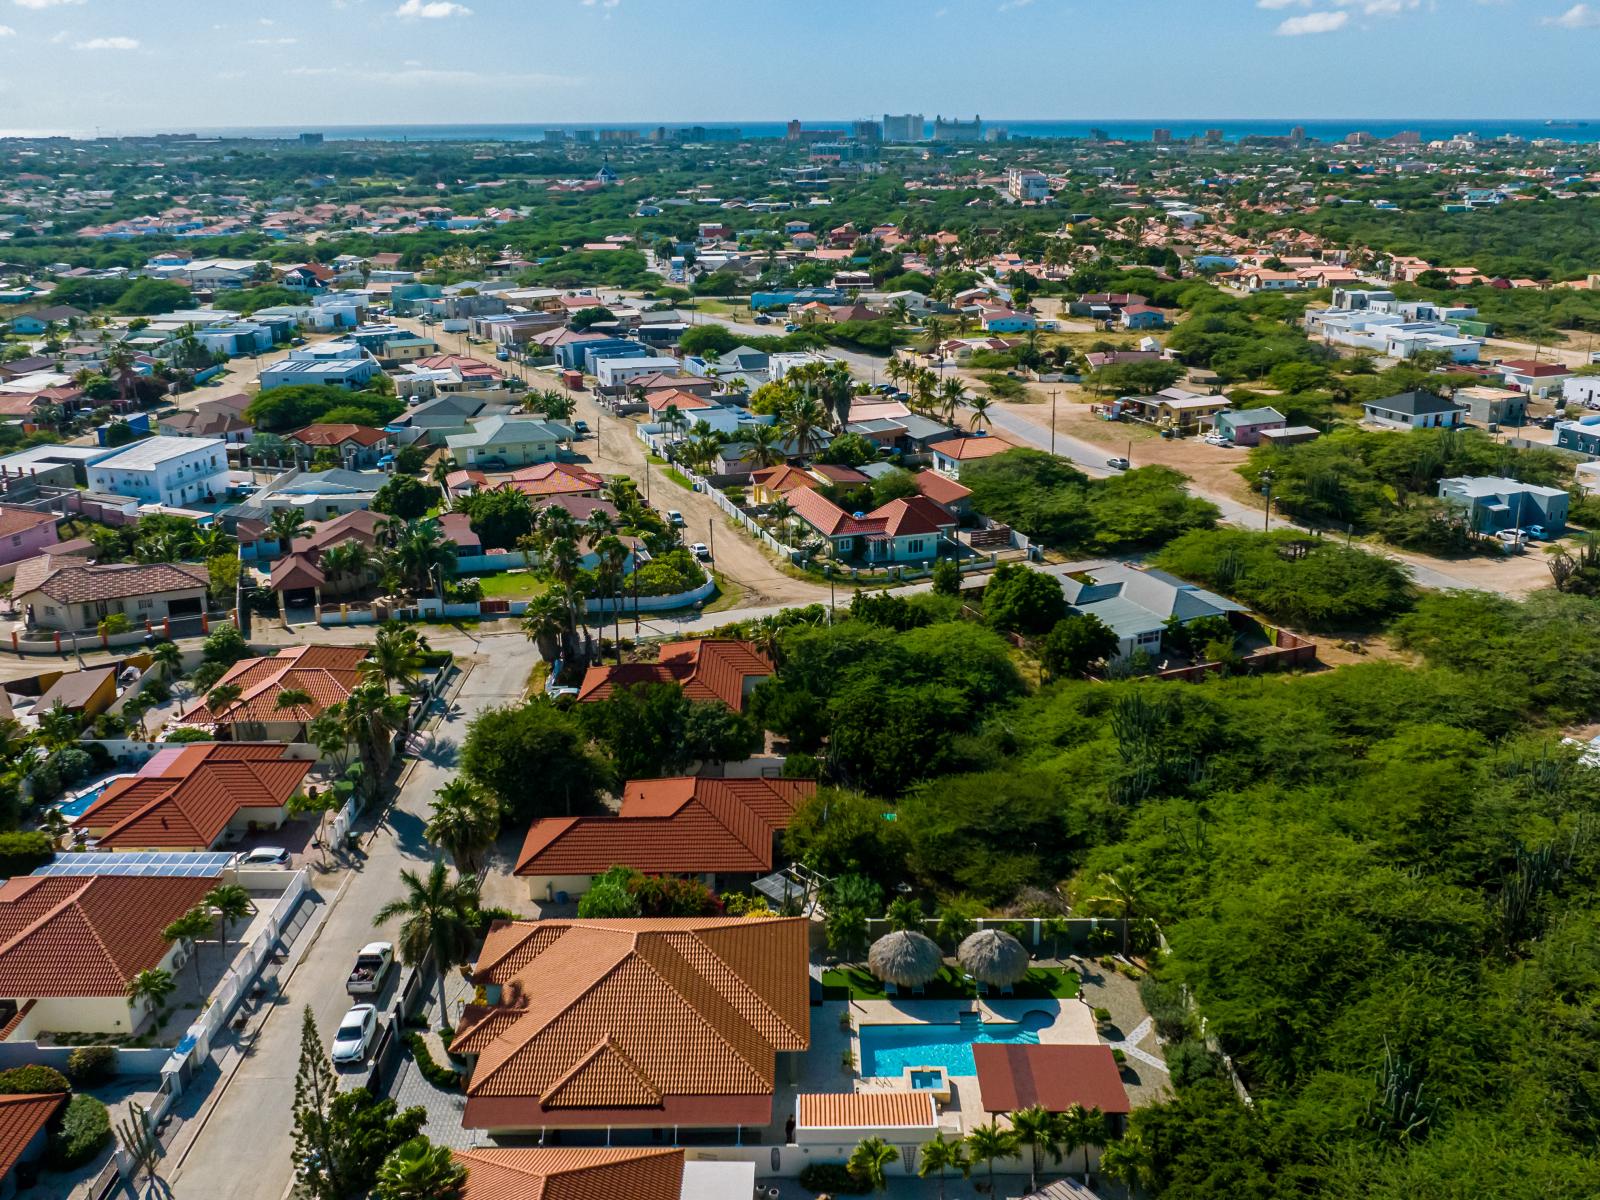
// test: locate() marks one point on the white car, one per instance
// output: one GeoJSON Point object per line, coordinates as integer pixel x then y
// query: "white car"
{"type": "Point", "coordinates": [355, 1034]}
{"type": "Point", "coordinates": [674, 517]}
{"type": "Point", "coordinates": [262, 856]}
{"type": "Point", "coordinates": [700, 551]}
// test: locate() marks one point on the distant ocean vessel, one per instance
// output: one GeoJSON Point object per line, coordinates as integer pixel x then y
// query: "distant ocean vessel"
{"type": "Point", "coordinates": [1566, 124]}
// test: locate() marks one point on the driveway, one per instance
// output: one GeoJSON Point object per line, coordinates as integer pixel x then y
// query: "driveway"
{"type": "Point", "coordinates": [243, 1151]}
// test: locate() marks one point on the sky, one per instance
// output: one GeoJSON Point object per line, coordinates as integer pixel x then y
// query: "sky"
{"type": "Point", "coordinates": [78, 66]}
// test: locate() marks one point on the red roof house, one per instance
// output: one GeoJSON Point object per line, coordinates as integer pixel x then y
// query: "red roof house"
{"type": "Point", "coordinates": [707, 669]}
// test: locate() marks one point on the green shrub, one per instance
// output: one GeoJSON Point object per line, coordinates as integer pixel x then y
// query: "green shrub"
{"type": "Point", "coordinates": [188, 733]}
{"type": "Point", "coordinates": [834, 1178]}
{"type": "Point", "coordinates": [85, 1128]}
{"type": "Point", "coordinates": [89, 1065]}
{"type": "Point", "coordinates": [440, 1076]}
{"type": "Point", "coordinates": [20, 853]}
{"type": "Point", "coordinates": [32, 1080]}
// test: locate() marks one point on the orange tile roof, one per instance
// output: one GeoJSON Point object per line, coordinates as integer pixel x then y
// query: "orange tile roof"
{"type": "Point", "coordinates": [634, 1022]}
{"type": "Point", "coordinates": [327, 673]}
{"type": "Point", "coordinates": [189, 803]}
{"type": "Point", "coordinates": [913, 515]}
{"type": "Point", "coordinates": [337, 435]}
{"type": "Point", "coordinates": [966, 449]}
{"type": "Point", "coordinates": [21, 1119]}
{"type": "Point", "coordinates": [707, 669]}
{"type": "Point", "coordinates": [866, 1110]}
{"type": "Point", "coordinates": [782, 479]}
{"type": "Point", "coordinates": [87, 935]}
{"type": "Point", "coordinates": [680, 826]}
{"type": "Point", "coordinates": [555, 479]}
{"type": "Point", "coordinates": [941, 489]}
{"type": "Point", "coordinates": [556, 1173]}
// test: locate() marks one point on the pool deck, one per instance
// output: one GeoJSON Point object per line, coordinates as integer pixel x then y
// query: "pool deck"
{"type": "Point", "coordinates": [819, 1071]}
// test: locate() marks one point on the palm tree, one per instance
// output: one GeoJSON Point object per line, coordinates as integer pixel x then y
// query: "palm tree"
{"type": "Point", "coordinates": [221, 700]}
{"type": "Point", "coordinates": [545, 621]}
{"type": "Point", "coordinates": [464, 824]}
{"type": "Point", "coordinates": [194, 924]}
{"type": "Point", "coordinates": [347, 560]}
{"type": "Point", "coordinates": [1129, 1161]}
{"type": "Point", "coordinates": [1122, 894]}
{"type": "Point", "coordinates": [1079, 1128]}
{"type": "Point", "coordinates": [438, 918]}
{"type": "Point", "coordinates": [231, 903]}
{"type": "Point", "coordinates": [209, 541]}
{"type": "Point", "coordinates": [803, 419]}
{"type": "Point", "coordinates": [941, 1156]}
{"type": "Point", "coordinates": [442, 466]}
{"type": "Point", "coordinates": [988, 1142]}
{"type": "Point", "coordinates": [952, 395]}
{"type": "Point", "coordinates": [765, 444]}
{"type": "Point", "coordinates": [394, 657]}
{"type": "Point", "coordinates": [419, 1170]}
{"type": "Point", "coordinates": [870, 1159]}
{"type": "Point", "coordinates": [598, 525]}
{"type": "Point", "coordinates": [371, 718]}
{"type": "Point", "coordinates": [119, 365]}
{"type": "Point", "coordinates": [152, 986]}
{"type": "Point", "coordinates": [1035, 1127]}
{"type": "Point", "coordinates": [295, 699]}
{"type": "Point", "coordinates": [980, 405]}
{"type": "Point", "coordinates": [419, 552]}
{"type": "Point", "coordinates": [284, 526]}
{"type": "Point", "coordinates": [169, 657]}
{"type": "Point", "coordinates": [59, 726]}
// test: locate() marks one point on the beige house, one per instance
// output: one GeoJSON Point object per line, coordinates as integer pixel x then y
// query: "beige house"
{"type": "Point", "coordinates": [69, 944]}
{"type": "Point", "coordinates": [75, 594]}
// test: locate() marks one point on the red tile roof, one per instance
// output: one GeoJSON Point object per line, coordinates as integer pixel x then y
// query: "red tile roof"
{"type": "Point", "coordinates": [14, 520]}
{"type": "Point", "coordinates": [941, 489]}
{"type": "Point", "coordinates": [74, 581]}
{"type": "Point", "coordinates": [328, 673]}
{"type": "Point", "coordinates": [866, 1110]}
{"type": "Point", "coordinates": [827, 517]}
{"type": "Point", "coordinates": [913, 515]}
{"type": "Point", "coordinates": [555, 479]}
{"type": "Point", "coordinates": [21, 1119]}
{"type": "Point", "coordinates": [337, 435]}
{"type": "Point", "coordinates": [782, 479]}
{"type": "Point", "coordinates": [682, 826]}
{"type": "Point", "coordinates": [557, 1173]}
{"type": "Point", "coordinates": [188, 800]}
{"type": "Point", "coordinates": [87, 935]}
{"type": "Point", "coordinates": [965, 449]}
{"type": "Point", "coordinates": [1014, 1076]}
{"type": "Point", "coordinates": [707, 669]}
{"type": "Point", "coordinates": [1536, 370]}
{"type": "Point", "coordinates": [634, 1022]}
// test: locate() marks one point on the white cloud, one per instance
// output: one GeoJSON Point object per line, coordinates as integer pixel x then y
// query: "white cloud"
{"type": "Point", "coordinates": [283, 41]}
{"type": "Point", "coordinates": [45, 3]}
{"type": "Point", "coordinates": [423, 75]}
{"type": "Point", "coordinates": [431, 10]}
{"type": "Point", "coordinates": [108, 43]}
{"type": "Point", "coordinates": [7, 31]}
{"type": "Point", "coordinates": [1009, 5]}
{"type": "Point", "coordinates": [1315, 22]}
{"type": "Point", "coordinates": [1579, 16]}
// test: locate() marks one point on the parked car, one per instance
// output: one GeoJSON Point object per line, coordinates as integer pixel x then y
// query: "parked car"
{"type": "Point", "coordinates": [790, 327]}
{"type": "Point", "coordinates": [1515, 541]}
{"type": "Point", "coordinates": [502, 354]}
{"type": "Point", "coordinates": [700, 551]}
{"type": "Point", "coordinates": [354, 1038]}
{"type": "Point", "coordinates": [491, 464]}
{"type": "Point", "coordinates": [1535, 533]}
{"type": "Point", "coordinates": [262, 856]}
{"type": "Point", "coordinates": [1118, 464]}
{"type": "Point", "coordinates": [581, 428]}
{"type": "Point", "coordinates": [675, 518]}
{"type": "Point", "coordinates": [373, 965]}
{"type": "Point", "coordinates": [761, 319]}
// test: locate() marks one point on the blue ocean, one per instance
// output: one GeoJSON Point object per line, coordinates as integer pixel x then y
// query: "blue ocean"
{"type": "Point", "coordinates": [1569, 130]}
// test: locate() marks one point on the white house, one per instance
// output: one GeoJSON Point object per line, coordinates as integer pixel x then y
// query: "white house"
{"type": "Point", "coordinates": [616, 372]}
{"type": "Point", "coordinates": [164, 470]}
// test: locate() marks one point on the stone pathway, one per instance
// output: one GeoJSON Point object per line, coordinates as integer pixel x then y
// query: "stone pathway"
{"type": "Point", "coordinates": [1130, 1045]}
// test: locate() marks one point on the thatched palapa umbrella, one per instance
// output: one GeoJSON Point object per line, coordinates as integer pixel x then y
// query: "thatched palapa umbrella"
{"type": "Point", "coordinates": [994, 957]}
{"type": "Point", "coordinates": [905, 958]}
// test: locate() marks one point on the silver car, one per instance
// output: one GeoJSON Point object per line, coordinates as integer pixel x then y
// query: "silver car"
{"type": "Point", "coordinates": [354, 1039]}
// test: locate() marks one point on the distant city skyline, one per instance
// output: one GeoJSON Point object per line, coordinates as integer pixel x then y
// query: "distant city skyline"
{"type": "Point", "coordinates": [124, 65]}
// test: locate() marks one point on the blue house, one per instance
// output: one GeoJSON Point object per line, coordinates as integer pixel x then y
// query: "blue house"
{"type": "Point", "coordinates": [1497, 503]}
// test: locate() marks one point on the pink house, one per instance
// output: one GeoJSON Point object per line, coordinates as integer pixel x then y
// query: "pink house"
{"type": "Point", "coordinates": [25, 533]}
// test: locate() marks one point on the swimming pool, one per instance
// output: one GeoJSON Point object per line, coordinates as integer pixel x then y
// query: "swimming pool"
{"type": "Point", "coordinates": [888, 1050]}
{"type": "Point", "coordinates": [74, 808]}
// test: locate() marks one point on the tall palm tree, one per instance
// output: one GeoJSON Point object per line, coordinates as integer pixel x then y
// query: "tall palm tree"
{"type": "Point", "coordinates": [284, 526]}
{"type": "Point", "coordinates": [231, 903]}
{"type": "Point", "coordinates": [1129, 1161]}
{"type": "Point", "coordinates": [371, 718]}
{"type": "Point", "coordinates": [119, 365]}
{"type": "Point", "coordinates": [598, 525]}
{"type": "Point", "coordinates": [803, 419]}
{"type": "Point", "coordinates": [187, 930]}
{"type": "Point", "coordinates": [297, 700]}
{"type": "Point", "coordinates": [59, 726]}
{"type": "Point", "coordinates": [419, 1170]}
{"type": "Point", "coordinates": [1079, 1128]}
{"type": "Point", "coordinates": [545, 622]}
{"type": "Point", "coordinates": [464, 824]}
{"type": "Point", "coordinates": [394, 657]}
{"type": "Point", "coordinates": [980, 405]}
{"type": "Point", "coordinates": [346, 561]}
{"type": "Point", "coordinates": [1035, 1127]}
{"type": "Point", "coordinates": [442, 466]}
{"type": "Point", "coordinates": [765, 445]}
{"type": "Point", "coordinates": [209, 541]}
{"type": "Point", "coordinates": [1122, 895]}
{"type": "Point", "coordinates": [221, 700]}
{"type": "Point", "coordinates": [169, 658]}
{"type": "Point", "coordinates": [952, 395]}
{"type": "Point", "coordinates": [988, 1142]}
{"type": "Point", "coordinates": [438, 917]}
{"type": "Point", "coordinates": [870, 1160]}
{"type": "Point", "coordinates": [152, 986]}
{"type": "Point", "coordinates": [940, 1157]}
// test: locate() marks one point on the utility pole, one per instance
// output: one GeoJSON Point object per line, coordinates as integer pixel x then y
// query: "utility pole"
{"type": "Point", "coordinates": [1267, 478]}
{"type": "Point", "coordinates": [1052, 423]}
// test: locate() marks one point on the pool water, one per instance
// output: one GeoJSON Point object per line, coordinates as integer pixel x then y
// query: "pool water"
{"type": "Point", "coordinates": [888, 1050]}
{"type": "Point", "coordinates": [926, 1080]}
{"type": "Point", "coordinates": [78, 805]}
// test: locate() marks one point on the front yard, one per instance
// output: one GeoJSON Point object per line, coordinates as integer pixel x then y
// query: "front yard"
{"type": "Point", "coordinates": [513, 585]}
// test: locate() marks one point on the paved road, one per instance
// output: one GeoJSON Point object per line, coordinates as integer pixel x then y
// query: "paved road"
{"type": "Point", "coordinates": [243, 1153]}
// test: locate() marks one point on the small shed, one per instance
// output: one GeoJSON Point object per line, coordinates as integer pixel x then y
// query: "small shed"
{"type": "Point", "coordinates": [1290, 435]}
{"type": "Point", "coordinates": [845, 1118]}
{"type": "Point", "coordinates": [89, 692]}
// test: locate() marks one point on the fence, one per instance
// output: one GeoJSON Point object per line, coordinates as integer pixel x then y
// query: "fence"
{"type": "Point", "coordinates": [1289, 652]}
{"type": "Point", "coordinates": [428, 608]}
{"type": "Point", "coordinates": [738, 514]}
{"type": "Point", "coordinates": [88, 641]}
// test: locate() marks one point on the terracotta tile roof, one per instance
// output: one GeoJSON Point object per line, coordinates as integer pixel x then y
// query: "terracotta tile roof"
{"type": "Point", "coordinates": [912, 515]}
{"type": "Point", "coordinates": [659, 402]}
{"type": "Point", "coordinates": [827, 517]}
{"type": "Point", "coordinates": [189, 798]}
{"type": "Point", "coordinates": [965, 449]}
{"type": "Point", "coordinates": [782, 479]}
{"type": "Point", "coordinates": [1012, 1077]}
{"type": "Point", "coordinates": [682, 826]}
{"type": "Point", "coordinates": [327, 673]}
{"type": "Point", "coordinates": [14, 520]}
{"type": "Point", "coordinates": [555, 479]}
{"type": "Point", "coordinates": [74, 581]}
{"type": "Point", "coordinates": [361, 525]}
{"type": "Point", "coordinates": [556, 1173]}
{"type": "Point", "coordinates": [86, 935]}
{"type": "Point", "coordinates": [707, 669]}
{"type": "Point", "coordinates": [941, 489]}
{"type": "Point", "coordinates": [634, 1022]}
{"type": "Point", "coordinates": [337, 435]}
{"type": "Point", "coordinates": [866, 1110]}
{"type": "Point", "coordinates": [21, 1119]}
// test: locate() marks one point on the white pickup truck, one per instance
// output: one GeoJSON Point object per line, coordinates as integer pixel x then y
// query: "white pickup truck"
{"type": "Point", "coordinates": [373, 965]}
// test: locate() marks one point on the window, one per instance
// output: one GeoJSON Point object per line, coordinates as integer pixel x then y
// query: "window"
{"type": "Point", "coordinates": [16, 539]}
{"type": "Point", "coordinates": [49, 611]}
{"type": "Point", "coordinates": [914, 547]}
{"type": "Point", "coordinates": [145, 602]}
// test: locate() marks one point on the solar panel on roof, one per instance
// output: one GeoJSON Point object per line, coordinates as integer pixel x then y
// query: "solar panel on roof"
{"type": "Point", "coordinates": [143, 863]}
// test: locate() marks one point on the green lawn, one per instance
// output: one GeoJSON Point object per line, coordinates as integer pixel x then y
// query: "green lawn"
{"type": "Point", "coordinates": [857, 983]}
{"type": "Point", "coordinates": [513, 585]}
